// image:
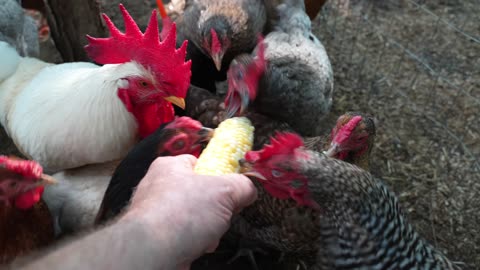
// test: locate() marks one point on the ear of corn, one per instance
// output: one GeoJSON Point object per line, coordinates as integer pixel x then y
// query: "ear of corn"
{"type": "Point", "coordinates": [231, 141]}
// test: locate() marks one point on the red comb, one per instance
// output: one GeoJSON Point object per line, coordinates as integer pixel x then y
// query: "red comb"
{"type": "Point", "coordinates": [284, 144]}
{"type": "Point", "coordinates": [281, 144]}
{"type": "Point", "coordinates": [257, 69]}
{"type": "Point", "coordinates": [346, 131]}
{"type": "Point", "coordinates": [216, 45]}
{"type": "Point", "coordinates": [184, 122]}
{"type": "Point", "coordinates": [145, 49]}
{"type": "Point", "coordinates": [253, 72]}
{"type": "Point", "coordinates": [27, 168]}
{"type": "Point", "coordinates": [28, 199]}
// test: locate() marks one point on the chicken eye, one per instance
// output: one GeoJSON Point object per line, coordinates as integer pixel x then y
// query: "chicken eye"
{"type": "Point", "coordinates": [178, 144]}
{"type": "Point", "coordinates": [276, 173]}
{"type": "Point", "coordinates": [143, 84]}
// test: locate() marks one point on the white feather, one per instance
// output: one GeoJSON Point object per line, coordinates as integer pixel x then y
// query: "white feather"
{"type": "Point", "coordinates": [68, 115]}
{"type": "Point", "coordinates": [9, 62]}
{"type": "Point", "coordinates": [75, 200]}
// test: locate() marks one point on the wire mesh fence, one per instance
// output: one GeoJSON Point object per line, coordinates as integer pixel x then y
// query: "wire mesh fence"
{"type": "Point", "coordinates": [416, 67]}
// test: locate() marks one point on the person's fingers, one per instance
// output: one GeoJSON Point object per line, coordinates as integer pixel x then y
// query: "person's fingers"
{"type": "Point", "coordinates": [180, 162]}
{"type": "Point", "coordinates": [186, 160]}
{"type": "Point", "coordinates": [244, 191]}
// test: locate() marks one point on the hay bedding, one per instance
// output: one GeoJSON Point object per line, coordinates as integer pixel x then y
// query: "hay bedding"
{"type": "Point", "coordinates": [428, 142]}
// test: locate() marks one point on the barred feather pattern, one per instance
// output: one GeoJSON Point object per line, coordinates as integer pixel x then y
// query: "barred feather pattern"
{"type": "Point", "coordinates": [362, 225]}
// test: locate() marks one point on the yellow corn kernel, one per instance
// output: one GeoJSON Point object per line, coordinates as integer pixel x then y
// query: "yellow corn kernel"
{"type": "Point", "coordinates": [232, 139]}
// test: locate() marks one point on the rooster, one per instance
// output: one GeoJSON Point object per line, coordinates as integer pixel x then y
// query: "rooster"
{"type": "Point", "coordinates": [218, 31]}
{"type": "Point", "coordinates": [182, 136]}
{"type": "Point", "coordinates": [25, 221]}
{"type": "Point", "coordinates": [292, 71]}
{"type": "Point", "coordinates": [75, 200]}
{"type": "Point", "coordinates": [73, 114]}
{"type": "Point", "coordinates": [339, 216]}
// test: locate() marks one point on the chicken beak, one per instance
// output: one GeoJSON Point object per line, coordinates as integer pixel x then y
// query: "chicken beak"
{"type": "Point", "coordinates": [247, 170]}
{"type": "Point", "coordinates": [217, 59]}
{"type": "Point", "coordinates": [255, 174]}
{"type": "Point", "coordinates": [333, 150]}
{"type": "Point", "coordinates": [232, 107]}
{"type": "Point", "coordinates": [180, 102]}
{"type": "Point", "coordinates": [46, 180]}
{"type": "Point", "coordinates": [205, 134]}
{"type": "Point", "coordinates": [245, 97]}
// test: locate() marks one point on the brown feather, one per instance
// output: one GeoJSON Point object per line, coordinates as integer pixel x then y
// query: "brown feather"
{"type": "Point", "coordinates": [23, 231]}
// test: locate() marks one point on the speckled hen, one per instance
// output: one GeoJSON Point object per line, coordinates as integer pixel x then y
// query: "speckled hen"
{"type": "Point", "coordinates": [340, 216]}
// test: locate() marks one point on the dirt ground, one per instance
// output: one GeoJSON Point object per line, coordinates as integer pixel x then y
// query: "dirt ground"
{"type": "Point", "coordinates": [428, 135]}
{"type": "Point", "coordinates": [420, 77]}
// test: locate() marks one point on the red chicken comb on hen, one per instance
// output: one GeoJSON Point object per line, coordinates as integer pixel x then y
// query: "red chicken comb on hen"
{"type": "Point", "coordinates": [160, 57]}
{"type": "Point", "coordinates": [243, 76]}
{"type": "Point", "coordinates": [276, 164]}
{"type": "Point", "coordinates": [25, 189]}
{"type": "Point", "coordinates": [346, 131]}
{"type": "Point", "coordinates": [184, 122]}
{"type": "Point", "coordinates": [27, 168]}
{"type": "Point", "coordinates": [281, 144]}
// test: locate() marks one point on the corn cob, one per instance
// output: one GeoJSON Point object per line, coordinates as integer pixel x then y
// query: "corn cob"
{"type": "Point", "coordinates": [231, 140]}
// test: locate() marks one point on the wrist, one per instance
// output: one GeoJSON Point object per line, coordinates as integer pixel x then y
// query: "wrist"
{"type": "Point", "coordinates": [161, 235]}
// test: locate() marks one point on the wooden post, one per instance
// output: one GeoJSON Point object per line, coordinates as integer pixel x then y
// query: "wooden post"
{"type": "Point", "coordinates": [69, 22]}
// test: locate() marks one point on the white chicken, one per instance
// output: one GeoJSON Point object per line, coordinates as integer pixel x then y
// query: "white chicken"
{"type": "Point", "coordinates": [75, 199]}
{"type": "Point", "coordinates": [73, 114]}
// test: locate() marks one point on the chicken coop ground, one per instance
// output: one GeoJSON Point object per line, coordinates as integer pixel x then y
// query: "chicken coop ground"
{"type": "Point", "coordinates": [414, 65]}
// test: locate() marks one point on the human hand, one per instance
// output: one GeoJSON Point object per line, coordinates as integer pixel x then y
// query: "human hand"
{"type": "Point", "coordinates": [191, 211]}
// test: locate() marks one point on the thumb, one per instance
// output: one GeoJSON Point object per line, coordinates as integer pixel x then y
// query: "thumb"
{"type": "Point", "coordinates": [180, 162]}
{"type": "Point", "coordinates": [244, 192]}
{"type": "Point", "coordinates": [186, 161]}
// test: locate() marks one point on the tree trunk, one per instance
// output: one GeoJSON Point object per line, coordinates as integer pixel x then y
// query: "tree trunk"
{"type": "Point", "coordinates": [69, 22]}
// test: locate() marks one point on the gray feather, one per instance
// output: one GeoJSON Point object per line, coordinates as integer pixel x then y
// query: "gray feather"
{"type": "Point", "coordinates": [18, 29]}
{"type": "Point", "coordinates": [298, 85]}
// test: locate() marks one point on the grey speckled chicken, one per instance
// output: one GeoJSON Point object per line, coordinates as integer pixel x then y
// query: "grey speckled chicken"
{"type": "Point", "coordinates": [297, 84]}
{"type": "Point", "coordinates": [279, 224]}
{"type": "Point", "coordinates": [218, 30]}
{"type": "Point", "coordinates": [18, 29]}
{"type": "Point", "coordinates": [350, 218]}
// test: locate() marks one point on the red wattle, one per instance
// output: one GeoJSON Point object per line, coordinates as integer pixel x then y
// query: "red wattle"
{"type": "Point", "coordinates": [28, 199]}
{"type": "Point", "coordinates": [150, 117]}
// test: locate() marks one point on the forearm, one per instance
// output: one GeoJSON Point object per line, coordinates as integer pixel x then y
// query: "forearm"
{"type": "Point", "coordinates": [126, 244]}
